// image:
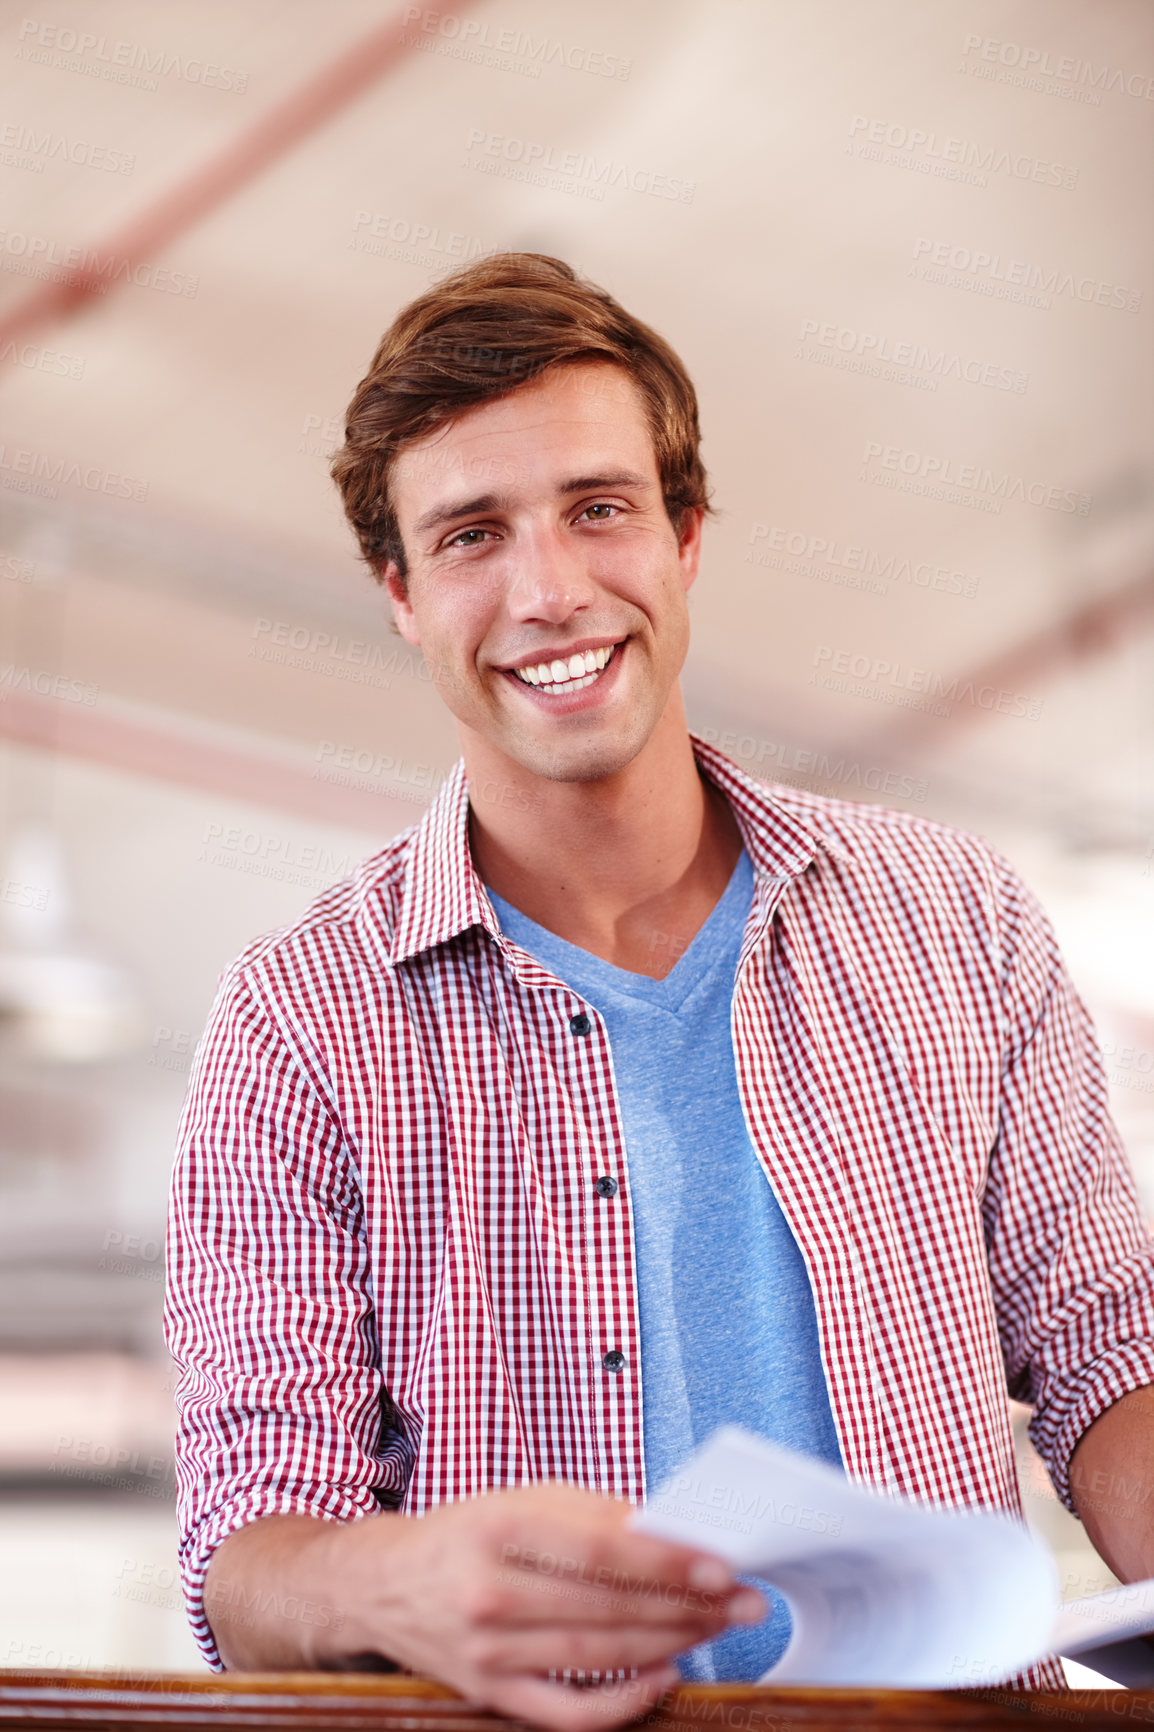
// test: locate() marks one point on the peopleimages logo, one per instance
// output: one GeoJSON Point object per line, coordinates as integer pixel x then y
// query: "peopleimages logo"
{"type": "Point", "coordinates": [277, 857]}
{"type": "Point", "coordinates": [947, 473]}
{"type": "Point", "coordinates": [882, 356]}
{"type": "Point", "coordinates": [119, 62]}
{"type": "Point", "coordinates": [1066, 68]}
{"type": "Point", "coordinates": [42, 683]}
{"type": "Point", "coordinates": [22, 147]}
{"type": "Point", "coordinates": [567, 170]}
{"type": "Point", "coordinates": [357, 660]}
{"type": "Point", "coordinates": [376, 772]}
{"type": "Point", "coordinates": [28, 471]}
{"type": "Point", "coordinates": [31, 255]}
{"type": "Point", "coordinates": [935, 153]}
{"type": "Point", "coordinates": [508, 49]}
{"type": "Point", "coordinates": [779, 548]}
{"type": "Point", "coordinates": [39, 360]}
{"type": "Point", "coordinates": [414, 243]}
{"type": "Point", "coordinates": [16, 894]}
{"type": "Point", "coordinates": [1015, 279]}
{"type": "Point", "coordinates": [884, 681]}
{"type": "Point", "coordinates": [801, 766]}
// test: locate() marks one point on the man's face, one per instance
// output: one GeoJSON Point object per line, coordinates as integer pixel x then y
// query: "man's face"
{"type": "Point", "coordinates": [547, 586]}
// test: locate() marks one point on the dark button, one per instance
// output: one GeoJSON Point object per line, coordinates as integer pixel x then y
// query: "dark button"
{"type": "Point", "coordinates": [614, 1360]}
{"type": "Point", "coordinates": [579, 1024]}
{"type": "Point", "coordinates": [605, 1186]}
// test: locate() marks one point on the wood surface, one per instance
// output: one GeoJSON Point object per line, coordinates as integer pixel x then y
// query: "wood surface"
{"type": "Point", "coordinates": [299, 1701]}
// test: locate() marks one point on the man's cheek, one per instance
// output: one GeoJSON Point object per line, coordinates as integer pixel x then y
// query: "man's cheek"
{"type": "Point", "coordinates": [449, 677]}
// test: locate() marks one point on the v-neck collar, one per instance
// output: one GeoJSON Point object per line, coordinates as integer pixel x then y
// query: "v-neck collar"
{"type": "Point", "coordinates": [585, 972]}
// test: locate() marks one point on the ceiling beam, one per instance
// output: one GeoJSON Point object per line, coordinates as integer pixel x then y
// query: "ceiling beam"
{"type": "Point", "coordinates": [307, 108]}
{"type": "Point", "coordinates": [159, 747]}
{"type": "Point", "coordinates": [1104, 623]}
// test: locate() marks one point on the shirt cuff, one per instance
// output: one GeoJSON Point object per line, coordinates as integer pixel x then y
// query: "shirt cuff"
{"type": "Point", "coordinates": [1057, 1428]}
{"type": "Point", "coordinates": [197, 1552]}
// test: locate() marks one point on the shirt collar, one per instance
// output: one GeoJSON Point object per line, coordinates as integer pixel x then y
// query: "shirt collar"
{"type": "Point", "coordinates": [779, 843]}
{"type": "Point", "coordinates": [442, 894]}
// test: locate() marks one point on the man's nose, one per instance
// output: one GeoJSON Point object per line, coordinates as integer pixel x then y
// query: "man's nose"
{"type": "Point", "coordinates": [549, 580]}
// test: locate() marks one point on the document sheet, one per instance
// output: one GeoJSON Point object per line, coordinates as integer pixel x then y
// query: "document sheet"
{"type": "Point", "coordinates": [883, 1591]}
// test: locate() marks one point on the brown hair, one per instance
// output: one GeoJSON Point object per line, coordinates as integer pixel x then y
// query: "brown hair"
{"type": "Point", "coordinates": [480, 334]}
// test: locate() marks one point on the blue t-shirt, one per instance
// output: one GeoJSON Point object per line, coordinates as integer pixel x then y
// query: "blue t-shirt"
{"type": "Point", "coordinates": [728, 1327]}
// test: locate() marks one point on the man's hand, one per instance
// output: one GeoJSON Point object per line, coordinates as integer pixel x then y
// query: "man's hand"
{"type": "Point", "coordinates": [489, 1595]}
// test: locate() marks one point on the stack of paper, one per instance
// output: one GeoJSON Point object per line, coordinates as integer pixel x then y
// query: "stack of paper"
{"type": "Point", "coordinates": [882, 1591]}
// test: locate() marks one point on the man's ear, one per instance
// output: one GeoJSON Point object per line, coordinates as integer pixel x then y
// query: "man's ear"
{"type": "Point", "coordinates": [689, 543]}
{"type": "Point", "coordinates": [399, 596]}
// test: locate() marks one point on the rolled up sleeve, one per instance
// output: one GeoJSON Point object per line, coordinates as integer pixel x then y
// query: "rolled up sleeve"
{"type": "Point", "coordinates": [269, 1313]}
{"type": "Point", "coordinates": [1071, 1262]}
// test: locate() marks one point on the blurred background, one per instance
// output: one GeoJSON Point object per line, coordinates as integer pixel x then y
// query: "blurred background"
{"type": "Point", "coordinates": [905, 252]}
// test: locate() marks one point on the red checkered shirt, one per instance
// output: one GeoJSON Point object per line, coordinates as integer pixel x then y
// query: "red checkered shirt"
{"type": "Point", "coordinates": [392, 1279]}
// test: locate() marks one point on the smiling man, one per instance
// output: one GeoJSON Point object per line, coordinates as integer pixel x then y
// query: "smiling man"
{"type": "Point", "coordinates": [621, 1098]}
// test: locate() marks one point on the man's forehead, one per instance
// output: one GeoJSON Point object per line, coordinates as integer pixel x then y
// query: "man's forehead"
{"type": "Point", "coordinates": [578, 405]}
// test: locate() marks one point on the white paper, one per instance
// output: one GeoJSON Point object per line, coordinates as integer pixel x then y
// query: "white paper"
{"type": "Point", "coordinates": [882, 1591]}
{"type": "Point", "coordinates": [1110, 1617]}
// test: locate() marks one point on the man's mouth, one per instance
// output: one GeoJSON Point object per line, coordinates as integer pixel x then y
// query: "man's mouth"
{"type": "Point", "coordinates": [567, 674]}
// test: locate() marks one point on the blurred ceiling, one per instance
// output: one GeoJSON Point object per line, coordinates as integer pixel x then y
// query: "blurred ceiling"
{"type": "Point", "coordinates": [905, 252]}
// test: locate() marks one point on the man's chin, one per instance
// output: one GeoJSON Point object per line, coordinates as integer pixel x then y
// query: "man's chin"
{"type": "Point", "coordinates": [579, 759]}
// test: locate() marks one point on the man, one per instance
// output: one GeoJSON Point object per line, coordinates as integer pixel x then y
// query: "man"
{"type": "Point", "coordinates": [620, 1097]}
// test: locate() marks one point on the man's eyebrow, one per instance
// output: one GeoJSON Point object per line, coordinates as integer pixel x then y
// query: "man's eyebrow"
{"type": "Point", "coordinates": [496, 501]}
{"type": "Point", "coordinates": [609, 478]}
{"type": "Point", "coordinates": [461, 508]}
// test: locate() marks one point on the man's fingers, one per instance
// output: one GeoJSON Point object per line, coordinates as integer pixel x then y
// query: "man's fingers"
{"type": "Point", "coordinates": [586, 1650]}
{"type": "Point", "coordinates": [581, 1534]}
{"type": "Point", "coordinates": [548, 1589]}
{"type": "Point", "coordinates": [565, 1708]}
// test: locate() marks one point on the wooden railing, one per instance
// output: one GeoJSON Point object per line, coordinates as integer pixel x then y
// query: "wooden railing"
{"type": "Point", "coordinates": [301, 1701]}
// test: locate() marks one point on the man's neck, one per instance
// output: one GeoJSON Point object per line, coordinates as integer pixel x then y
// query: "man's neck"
{"type": "Point", "coordinates": [628, 867]}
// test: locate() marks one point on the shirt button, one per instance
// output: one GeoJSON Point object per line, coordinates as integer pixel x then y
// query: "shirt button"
{"type": "Point", "coordinates": [614, 1360]}
{"type": "Point", "coordinates": [605, 1186]}
{"type": "Point", "coordinates": [579, 1024]}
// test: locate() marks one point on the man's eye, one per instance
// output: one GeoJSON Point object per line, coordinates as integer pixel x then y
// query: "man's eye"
{"type": "Point", "coordinates": [459, 540]}
{"type": "Point", "coordinates": [606, 509]}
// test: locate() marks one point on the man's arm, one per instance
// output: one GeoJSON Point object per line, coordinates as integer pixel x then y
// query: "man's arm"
{"type": "Point", "coordinates": [1071, 1263]}
{"type": "Point", "coordinates": [269, 1310]}
{"type": "Point", "coordinates": [489, 1595]}
{"type": "Point", "coordinates": [1112, 1483]}
{"type": "Point", "coordinates": [270, 1314]}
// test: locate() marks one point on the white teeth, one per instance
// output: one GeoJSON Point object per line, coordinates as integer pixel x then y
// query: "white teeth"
{"type": "Point", "coordinates": [570, 685]}
{"type": "Point", "coordinates": [567, 676]}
